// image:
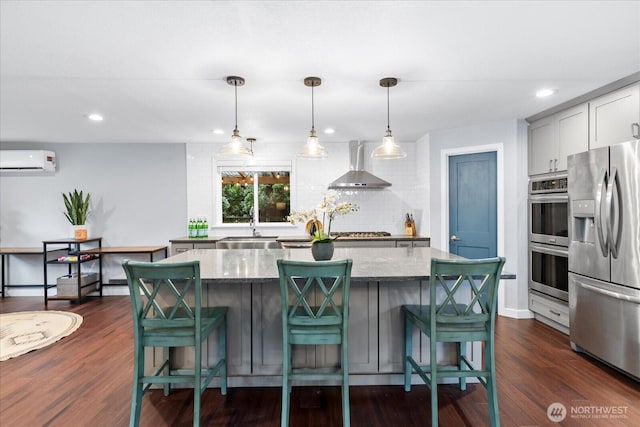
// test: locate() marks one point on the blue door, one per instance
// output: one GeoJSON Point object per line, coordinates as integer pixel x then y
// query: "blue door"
{"type": "Point", "coordinates": [473, 222]}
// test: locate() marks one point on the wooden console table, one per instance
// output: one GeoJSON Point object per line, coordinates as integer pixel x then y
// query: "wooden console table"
{"type": "Point", "coordinates": [6, 252]}
{"type": "Point", "coordinates": [123, 250]}
{"type": "Point", "coordinates": [130, 250]}
{"type": "Point", "coordinates": [151, 251]}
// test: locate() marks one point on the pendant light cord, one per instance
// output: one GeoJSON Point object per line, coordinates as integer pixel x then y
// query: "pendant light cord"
{"type": "Point", "coordinates": [388, 121]}
{"type": "Point", "coordinates": [235, 86]}
{"type": "Point", "coordinates": [312, 110]}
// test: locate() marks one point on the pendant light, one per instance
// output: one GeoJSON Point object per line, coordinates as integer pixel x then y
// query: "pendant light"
{"type": "Point", "coordinates": [388, 149]}
{"type": "Point", "coordinates": [236, 146]}
{"type": "Point", "coordinates": [313, 148]}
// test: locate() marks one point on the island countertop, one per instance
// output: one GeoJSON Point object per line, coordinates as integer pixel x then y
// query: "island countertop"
{"type": "Point", "coordinates": [259, 265]}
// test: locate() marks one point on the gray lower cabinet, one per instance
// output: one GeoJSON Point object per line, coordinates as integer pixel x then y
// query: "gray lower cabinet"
{"type": "Point", "coordinates": [550, 311]}
{"type": "Point", "coordinates": [254, 334]}
{"type": "Point", "coordinates": [177, 248]}
{"type": "Point", "coordinates": [392, 295]}
{"type": "Point", "coordinates": [236, 296]}
{"type": "Point", "coordinates": [364, 243]}
{"type": "Point", "coordinates": [267, 333]}
{"type": "Point", "coordinates": [412, 243]}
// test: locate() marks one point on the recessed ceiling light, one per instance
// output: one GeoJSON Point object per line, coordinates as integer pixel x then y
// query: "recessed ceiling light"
{"type": "Point", "coordinates": [218, 131]}
{"type": "Point", "coordinates": [542, 93]}
{"type": "Point", "coordinates": [329, 131]}
{"type": "Point", "coordinates": [95, 117]}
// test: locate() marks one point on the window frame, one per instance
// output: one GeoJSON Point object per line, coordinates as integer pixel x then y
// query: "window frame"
{"type": "Point", "coordinates": [256, 167]}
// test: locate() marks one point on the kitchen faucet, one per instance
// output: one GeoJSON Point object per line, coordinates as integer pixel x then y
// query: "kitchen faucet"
{"type": "Point", "coordinates": [252, 223]}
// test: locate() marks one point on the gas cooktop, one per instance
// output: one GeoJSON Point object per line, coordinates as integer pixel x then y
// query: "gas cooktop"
{"type": "Point", "coordinates": [360, 234]}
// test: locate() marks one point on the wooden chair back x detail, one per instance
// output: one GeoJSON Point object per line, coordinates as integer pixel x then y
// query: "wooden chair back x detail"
{"type": "Point", "coordinates": [463, 299]}
{"type": "Point", "coordinates": [167, 312]}
{"type": "Point", "coordinates": [315, 311]}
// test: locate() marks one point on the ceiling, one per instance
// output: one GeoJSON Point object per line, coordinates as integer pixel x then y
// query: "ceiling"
{"type": "Point", "coordinates": [156, 70]}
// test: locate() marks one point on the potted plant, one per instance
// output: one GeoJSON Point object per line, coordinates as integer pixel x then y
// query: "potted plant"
{"type": "Point", "coordinates": [321, 240]}
{"type": "Point", "coordinates": [77, 205]}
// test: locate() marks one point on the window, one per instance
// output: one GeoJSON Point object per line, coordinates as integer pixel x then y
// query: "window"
{"type": "Point", "coordinates": [258, 193]}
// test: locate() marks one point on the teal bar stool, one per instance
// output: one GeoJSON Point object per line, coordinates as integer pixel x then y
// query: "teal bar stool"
{"type": "Point", "coordinates": [463, 301]}
{"type": "Point", "coordinates": [315, 311]}
{"type": "Point", "coordinates": [163, 317]}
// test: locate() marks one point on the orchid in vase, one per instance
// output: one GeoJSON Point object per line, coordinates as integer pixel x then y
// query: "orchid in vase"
{"type": "Point", "coordinates": [328, 208]}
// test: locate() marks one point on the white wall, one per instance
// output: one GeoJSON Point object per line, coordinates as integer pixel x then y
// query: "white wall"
{"type": "Point", "coordinates": [510, 139]}
{"type": "Point", "coordinates": [138, 199]}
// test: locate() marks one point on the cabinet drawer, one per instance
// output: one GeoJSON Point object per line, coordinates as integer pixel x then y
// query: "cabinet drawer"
{"type": "Point", "coordinates": [551, 309]}
{"type": "Point", "coordinates": [364, 243]}
{"type": "Point", "coordinates": [177, 248]}
{"type": "Point", "coordinates": [208, 245]}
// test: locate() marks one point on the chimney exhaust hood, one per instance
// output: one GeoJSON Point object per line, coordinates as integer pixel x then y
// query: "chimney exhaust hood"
{"type": "Point", "coordinates": [357, 177]}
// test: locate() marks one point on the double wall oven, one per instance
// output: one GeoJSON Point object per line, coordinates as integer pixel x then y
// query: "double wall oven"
{"type": "Point", "coordinates": [549, 236]}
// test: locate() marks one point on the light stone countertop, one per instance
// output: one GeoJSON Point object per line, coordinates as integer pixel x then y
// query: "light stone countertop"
{"type": "Point", "coordinates": [369, 264]}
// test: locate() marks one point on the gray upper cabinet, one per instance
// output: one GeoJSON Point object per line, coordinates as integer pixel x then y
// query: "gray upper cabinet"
{"type": "Point", "coordinates": [541, 146]}
{"type": "Point", "coordinates": [572, 130]}
{"type": "Point", "coordinates": [615, 117]}
{"type": "Point", "coordinates": [553, 138]}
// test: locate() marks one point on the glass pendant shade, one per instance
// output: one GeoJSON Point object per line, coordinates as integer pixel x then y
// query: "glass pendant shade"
{"type": "Point", "coordinates": [236, 147]}
{"type": "Point", "coordinates": [312, 148]}
{"type": "Point", "coordinates": [388, 149]}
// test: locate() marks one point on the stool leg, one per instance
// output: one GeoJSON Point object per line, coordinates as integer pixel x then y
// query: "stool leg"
{"type": "Point", "coordinates": [197, 384]}
{"type": "Point", "coordinates": [462, 352]}
{"type": "Point", "coordinates": [433, 381]}
{"type": "Point", "coordinates": [286, 388]}
{"type": "Point", "coordinates": [136, 398]}
{"type": "Point", "coordinates": [346, 419]}
{"type": "Point", "coordinates": [408, 351]}
{"type": "Point", "coordinates": [222, 346]}
{"type": "Point", "coordinates": [165, 371]}
{"type": "Point", "coordinates": [492, 391]}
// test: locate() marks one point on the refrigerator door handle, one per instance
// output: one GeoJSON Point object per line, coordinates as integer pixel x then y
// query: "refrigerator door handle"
{"type": "Point", "coordinates": [613, 240]}
{"type": "Point", "coordinates": [609, 293]}
{"type": "Point", "coordinates": [602, 184]}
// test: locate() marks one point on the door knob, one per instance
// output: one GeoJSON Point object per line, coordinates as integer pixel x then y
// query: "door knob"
{"type": "Point", "coordinates": [454, 238]}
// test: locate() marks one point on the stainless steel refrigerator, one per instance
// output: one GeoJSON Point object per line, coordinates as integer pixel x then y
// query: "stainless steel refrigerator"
{"type": "Point", "coordinates": [604, 254]}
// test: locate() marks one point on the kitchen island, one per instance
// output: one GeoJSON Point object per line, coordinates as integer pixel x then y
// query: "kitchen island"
{"type": "Point", "coordinates": [383, 279]}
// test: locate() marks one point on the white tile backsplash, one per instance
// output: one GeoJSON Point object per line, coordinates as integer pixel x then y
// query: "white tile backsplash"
{"type": "Point", "coordinates": [380, 210]}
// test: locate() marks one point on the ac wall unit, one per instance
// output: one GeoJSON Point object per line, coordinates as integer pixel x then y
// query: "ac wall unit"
{"type": "Point", "coordinates": [27, 160]}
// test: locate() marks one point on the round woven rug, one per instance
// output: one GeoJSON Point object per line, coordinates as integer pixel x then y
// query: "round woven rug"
{"type": "Point", "coordinates": [26, 331]}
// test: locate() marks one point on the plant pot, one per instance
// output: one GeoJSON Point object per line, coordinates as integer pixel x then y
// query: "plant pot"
{"type": "Point", "coordinates": [80, 232]}
{"type": "Point", "coordinates": [322, 251]}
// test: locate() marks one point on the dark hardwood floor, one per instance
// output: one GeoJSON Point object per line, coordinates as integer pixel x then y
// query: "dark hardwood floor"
{"type": "Point", "coordinates": [85, 380]}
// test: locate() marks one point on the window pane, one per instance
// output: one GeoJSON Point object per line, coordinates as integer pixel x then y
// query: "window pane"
{"type": "Point", "coordinates": [273, 196]}
{"type": "Point", "coordinates": [237, 196]}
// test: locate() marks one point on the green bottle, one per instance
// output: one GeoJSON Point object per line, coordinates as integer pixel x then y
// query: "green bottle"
{"type": "Point", "coordinates": [192, 228]}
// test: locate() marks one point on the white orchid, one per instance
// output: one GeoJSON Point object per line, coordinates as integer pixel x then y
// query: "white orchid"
{"type": "Point", "coordinates": [329, 207]}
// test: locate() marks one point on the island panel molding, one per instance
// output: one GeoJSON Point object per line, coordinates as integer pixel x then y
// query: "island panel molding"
{"type": "Point", "coordinates": [247, 281]}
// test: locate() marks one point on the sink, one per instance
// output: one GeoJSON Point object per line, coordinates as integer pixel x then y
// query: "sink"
{"type": "Point", "coordinates": [248, 242]}
{"type": "Point", "coordinates": [247, 238]}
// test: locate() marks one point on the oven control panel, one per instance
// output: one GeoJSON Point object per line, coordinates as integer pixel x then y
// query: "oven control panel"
{"type": "Point", "coordinates": [551, 185]}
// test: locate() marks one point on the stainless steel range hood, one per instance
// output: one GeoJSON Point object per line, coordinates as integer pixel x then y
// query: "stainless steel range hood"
{"type": "Point", "coordinates": [357, 177]}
